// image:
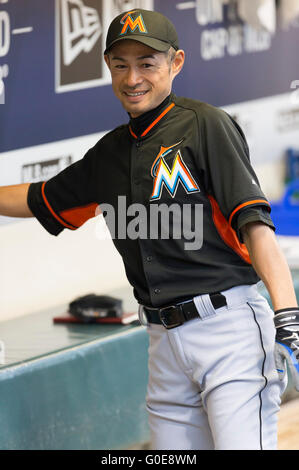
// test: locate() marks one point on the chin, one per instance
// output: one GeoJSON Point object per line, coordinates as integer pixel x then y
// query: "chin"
{"type": "Point", "coordinates": [137, 110]}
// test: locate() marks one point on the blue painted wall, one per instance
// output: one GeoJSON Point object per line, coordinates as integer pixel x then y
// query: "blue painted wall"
{"type": "Point", "coordinates": [34, 113]}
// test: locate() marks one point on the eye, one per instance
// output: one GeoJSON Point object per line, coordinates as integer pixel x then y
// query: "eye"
{"type": "Point", "coordinates": [147, 66]}
{"type": "Point", "coordinates": [119, 66]}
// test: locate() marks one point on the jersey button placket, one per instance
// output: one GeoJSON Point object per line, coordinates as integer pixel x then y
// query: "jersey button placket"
{"type": "Point", "coordinates": [135, 178]}
{"type": "Point", "coordinates": [151, 270]}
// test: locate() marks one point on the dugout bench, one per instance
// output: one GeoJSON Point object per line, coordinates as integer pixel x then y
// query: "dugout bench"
{"type": "Point", "coordinates": [74, 386]}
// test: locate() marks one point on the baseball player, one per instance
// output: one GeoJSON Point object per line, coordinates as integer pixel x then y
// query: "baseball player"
{"type": "Point", "coordinates": [214, 368]}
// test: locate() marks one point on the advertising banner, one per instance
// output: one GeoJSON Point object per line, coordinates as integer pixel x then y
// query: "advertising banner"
{"type": "Point", "coordinates": [55, 86]}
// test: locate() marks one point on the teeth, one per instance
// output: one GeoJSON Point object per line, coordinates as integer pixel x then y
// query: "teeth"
{"type": "Point", "coordinates": [136, 94]}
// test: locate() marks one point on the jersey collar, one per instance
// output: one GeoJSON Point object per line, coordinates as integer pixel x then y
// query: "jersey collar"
{"type": "Point", "coordinates": [141, 126]}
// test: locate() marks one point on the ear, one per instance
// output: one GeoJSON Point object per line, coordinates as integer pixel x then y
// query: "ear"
{"type": "Point", "coordinates": [178, 62]}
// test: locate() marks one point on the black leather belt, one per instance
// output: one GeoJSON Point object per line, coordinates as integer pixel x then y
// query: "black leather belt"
{"type": "Point", "coordinates": [175, 315]}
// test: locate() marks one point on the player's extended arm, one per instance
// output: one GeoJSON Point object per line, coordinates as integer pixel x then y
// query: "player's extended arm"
{"type": "Point", "coordinates": [13, 201]}
{"type": "Point", "coordinates": [271, 266]}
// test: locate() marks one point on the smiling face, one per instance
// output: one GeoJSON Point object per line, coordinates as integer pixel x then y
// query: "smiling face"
{"type": "Point", "coordinates": [141, 76]}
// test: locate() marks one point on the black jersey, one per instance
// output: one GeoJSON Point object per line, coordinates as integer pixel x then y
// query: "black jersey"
{"type": "Point", "coordinates": [189, 167]}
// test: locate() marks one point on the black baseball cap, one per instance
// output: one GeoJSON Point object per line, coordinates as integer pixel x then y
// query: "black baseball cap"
{"type": "Point", "coordinates": [148, 27]}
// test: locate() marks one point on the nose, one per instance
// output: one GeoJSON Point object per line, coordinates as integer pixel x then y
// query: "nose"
{"type": "Point", "coordinates": [133, 77]}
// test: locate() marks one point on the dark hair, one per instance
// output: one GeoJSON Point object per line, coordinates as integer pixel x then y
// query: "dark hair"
{"type": "Point", "coordinates": [171, 54]}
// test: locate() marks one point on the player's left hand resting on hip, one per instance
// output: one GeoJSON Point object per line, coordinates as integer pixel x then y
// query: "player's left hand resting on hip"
{"type": "Point", "coordinates": [287, 343]}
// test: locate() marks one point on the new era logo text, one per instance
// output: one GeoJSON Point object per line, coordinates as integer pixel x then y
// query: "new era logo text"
{"type": "Point", "coordinates": [80, 45]}
{"type": "Point", "coordinates": [81, 29]}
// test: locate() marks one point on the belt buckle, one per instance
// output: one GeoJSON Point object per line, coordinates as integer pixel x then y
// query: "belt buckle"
{"type": "Point", "coordinates": [163, 317]}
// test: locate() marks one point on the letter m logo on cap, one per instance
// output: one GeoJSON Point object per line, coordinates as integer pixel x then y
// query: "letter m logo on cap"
{"type": "Point", "coordinates": [130, 25]}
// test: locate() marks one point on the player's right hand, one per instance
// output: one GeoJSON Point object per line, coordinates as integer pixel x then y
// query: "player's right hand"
{"type": "Point", "coordinates": [287, 343]}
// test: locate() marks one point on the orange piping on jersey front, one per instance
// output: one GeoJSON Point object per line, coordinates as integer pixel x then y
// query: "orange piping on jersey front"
{"type": "Point", "coordinates": [227, 233]}
{"type": "Point", "coordinates": [53, 212]}
{"type": "Point", "coordinates": [133, 134]}
{"type": "Point", "coordinates": [153, 123]}
{"type": "Point", "coordinates": [248, 203]}
{"type": "Point", "coordinates": [157, 119]}
{"type": "Point", "coordinates": [79, 215]}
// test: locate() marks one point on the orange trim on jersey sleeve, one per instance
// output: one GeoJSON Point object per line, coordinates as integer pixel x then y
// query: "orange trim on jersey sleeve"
{"type": "Point", "coordinates": [227, 233]}
{"type": "Point", "coordinates": [53, 212]}
{"type": "Point", "coordinates": [248, 203]}
{"type": "Point", "coordinates": [79, 215]}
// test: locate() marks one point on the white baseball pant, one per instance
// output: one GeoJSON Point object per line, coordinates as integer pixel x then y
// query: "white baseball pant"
{"type": "Point", "coordinates": [212, 381]}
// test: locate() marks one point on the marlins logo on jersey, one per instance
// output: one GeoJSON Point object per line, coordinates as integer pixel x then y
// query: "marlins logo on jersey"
{"type": "Point", "coordinates": [129, 25]}
{"type": "Point", "coordinates": [170, 178]}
